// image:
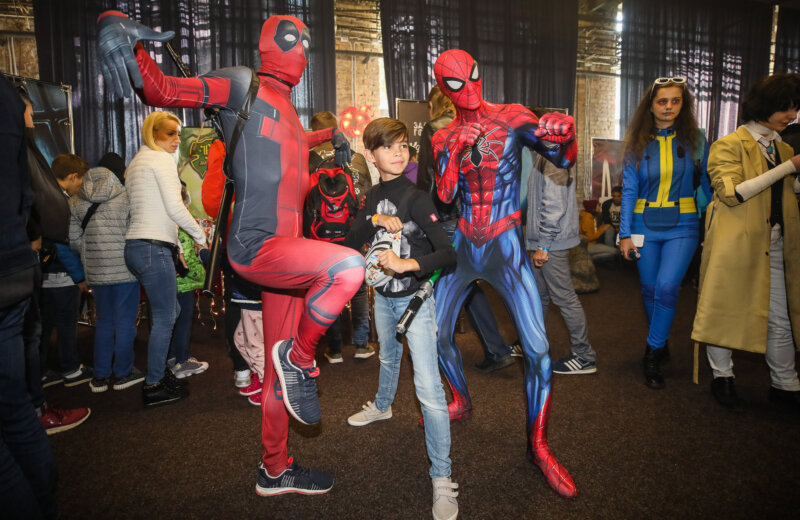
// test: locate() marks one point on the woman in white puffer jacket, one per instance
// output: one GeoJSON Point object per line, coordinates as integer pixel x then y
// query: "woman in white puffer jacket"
{"type": "Point", "coordinates": [151, 245]}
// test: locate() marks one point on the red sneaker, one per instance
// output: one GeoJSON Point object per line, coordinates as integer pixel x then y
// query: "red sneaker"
{"type": "Point", "coordinates": [253, 388]}
{"type": "Point", "coordinates": [55, 420]}
{"type": "Point", "coordinates": [255, 399]}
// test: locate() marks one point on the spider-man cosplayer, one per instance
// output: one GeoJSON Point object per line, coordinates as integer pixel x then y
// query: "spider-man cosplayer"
{"type": "Point", "coordinates": [479, 154]}
{"type": "Point", "coordinates": [307, 282]}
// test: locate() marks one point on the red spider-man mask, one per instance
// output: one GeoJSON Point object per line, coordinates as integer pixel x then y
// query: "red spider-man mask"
{"type": "Point", "coordinates": [284, 47]}
{"type": "Point", "coordinates": [457, 76]}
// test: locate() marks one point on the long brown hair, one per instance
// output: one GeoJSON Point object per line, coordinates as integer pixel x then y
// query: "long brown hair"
{"type": "Point", "coordinates": [642, 127]}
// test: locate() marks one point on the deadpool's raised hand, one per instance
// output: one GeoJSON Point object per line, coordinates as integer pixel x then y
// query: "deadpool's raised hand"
{"type": "Point", "coordinates": [117, 37]}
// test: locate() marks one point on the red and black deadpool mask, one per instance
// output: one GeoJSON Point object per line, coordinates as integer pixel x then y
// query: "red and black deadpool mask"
{"type": "Point", "coordinates": [283, 46]}
{"type": "Point", "coordinates": [457, 76]}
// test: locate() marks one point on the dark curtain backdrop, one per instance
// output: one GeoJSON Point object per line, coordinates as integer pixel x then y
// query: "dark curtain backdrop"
{"type": "Point", "coordinates": [787, 44]}
{"type": "Point", "coordinates": [209, 35]}
{"type": "Point", "coordinates": [720, 46]}
{"type": "Point", "coordinates": [526, 49]}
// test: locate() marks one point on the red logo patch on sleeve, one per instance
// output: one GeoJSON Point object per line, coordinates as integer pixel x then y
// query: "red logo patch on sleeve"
{"type": "Point", "coordinates": [434, 218]}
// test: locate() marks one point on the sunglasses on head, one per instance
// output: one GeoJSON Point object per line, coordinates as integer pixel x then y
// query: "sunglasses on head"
{"type": "Point", "coordinates": [660, 82]}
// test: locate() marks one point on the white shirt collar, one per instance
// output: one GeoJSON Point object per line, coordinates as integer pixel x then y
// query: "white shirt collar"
{"type": "Point", "coordinates": [761, 133]}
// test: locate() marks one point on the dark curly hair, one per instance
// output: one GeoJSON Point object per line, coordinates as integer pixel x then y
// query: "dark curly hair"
{"type": "Point", "coordinates": [642, 126]}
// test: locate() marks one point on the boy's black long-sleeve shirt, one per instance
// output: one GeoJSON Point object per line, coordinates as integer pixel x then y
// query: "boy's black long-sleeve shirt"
{"type": "Point", "coordinates": [424, 239]}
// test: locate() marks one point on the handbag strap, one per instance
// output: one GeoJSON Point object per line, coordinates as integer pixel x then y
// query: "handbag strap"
{"type": "Point", "coordinates": [88, 216]}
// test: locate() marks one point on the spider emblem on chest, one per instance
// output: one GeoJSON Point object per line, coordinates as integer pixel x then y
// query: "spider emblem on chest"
{"type": "Point", "coordinates": [483, 148]}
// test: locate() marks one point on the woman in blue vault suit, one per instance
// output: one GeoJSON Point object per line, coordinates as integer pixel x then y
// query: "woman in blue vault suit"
{"type": "Point", "coordinates": [665, 163]}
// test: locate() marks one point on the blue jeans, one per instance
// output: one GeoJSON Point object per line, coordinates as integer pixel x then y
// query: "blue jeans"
{"type": "Point", "coordinates": [32, 336]}
{"type": "Point", "coordinates": [27, 468]}
{"type": "Point", "coordinates": [427, 381]}
{"type": "Point", "coordinates": [182, 333]}
{"type": "Point", "coordinates": [59, 310]}
{"type": "Point", "coordinates": [359, 312]}
{"type": "Point", "coordinates": [117, 307]}
{"type": "Point", "coordinates": [154, 268]}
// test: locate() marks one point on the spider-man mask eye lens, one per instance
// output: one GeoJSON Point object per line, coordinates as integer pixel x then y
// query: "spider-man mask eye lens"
{"type": "Point", "coordinates": [454, 84]}
{"type": "Point", "coordinates": [474, 76]}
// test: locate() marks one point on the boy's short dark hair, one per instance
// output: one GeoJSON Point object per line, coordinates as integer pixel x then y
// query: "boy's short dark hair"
{"type": "Point", "coordinates": [616, 189]}
{"type": "Point", "coordinates": [67, 163]}
{"type": "Point", "coordinates": [384, 131]}
{"type": "Point", "coordinates": [322, 120]}
{"type": "Point", "coordinates": [771, 94]}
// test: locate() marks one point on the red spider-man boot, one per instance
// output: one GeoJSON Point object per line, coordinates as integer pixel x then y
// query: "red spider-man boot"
{"type": "Point", "coordinates": [459, 409]}
{"type": "Point", "coordinates": [539, 453]}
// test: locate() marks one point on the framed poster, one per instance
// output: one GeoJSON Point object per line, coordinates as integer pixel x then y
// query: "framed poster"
{"type": "Point", "coordinates": [192, 164]}
{"type": "Point", "coordinates": [414, 114]}
{"type": "Point", "coordinates": [52, 115]}
{"type": "Point", "coordinates": [606, 166]}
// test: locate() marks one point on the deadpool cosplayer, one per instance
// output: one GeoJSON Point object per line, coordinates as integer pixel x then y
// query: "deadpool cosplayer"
{"type": "Point", "coordinates": [478, 153]}
{"type": "Point", "coordinates": [306, 282]}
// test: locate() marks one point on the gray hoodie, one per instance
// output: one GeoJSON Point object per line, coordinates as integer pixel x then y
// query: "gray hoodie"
{"type": "Point", "coordinates": [102, 244]}
{"type": "Point", "coordinates": [552, 208]}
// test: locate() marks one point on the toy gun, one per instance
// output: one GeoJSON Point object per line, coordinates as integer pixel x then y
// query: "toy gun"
{"type": "Point", "coordinates": [422, 294]}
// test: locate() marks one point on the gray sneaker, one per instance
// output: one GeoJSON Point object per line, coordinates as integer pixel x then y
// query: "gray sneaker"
{"type": "Point", "coordinates": [368, 414]}
{"type": "Point", "coordinates": [445, 505]}
{"type": "Point", "coordinates": [189, 367]}
{"type": "Point", "coordinates": [364, 352]}
{"type": "Point", "coordinates": [136, 376]}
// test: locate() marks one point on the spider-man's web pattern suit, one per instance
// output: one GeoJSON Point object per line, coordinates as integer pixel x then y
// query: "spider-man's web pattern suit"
{"type": "Point", "coordinates": [479, 154]}
{"type": "Point", "coordinates": [307, 282]}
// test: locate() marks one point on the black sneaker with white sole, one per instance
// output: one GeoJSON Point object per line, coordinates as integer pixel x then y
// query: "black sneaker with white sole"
{"type": "Point", "coordinates": [80, 375]}
{"type": "Point", "coordinates": [135, 377]}
{"type": "Point", "coordinates": [98, 385]}
{"type": "Point", "coordinates": [299, 385]}
{"type": "Point", "coordinates": [294, 479]}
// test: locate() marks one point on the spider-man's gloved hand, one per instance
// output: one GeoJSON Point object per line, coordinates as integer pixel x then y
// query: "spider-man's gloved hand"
{"type": "Point", "coordinates": [342, 146]}
{"type": "Point", "coordinates": [467, 136]}
{"type": "Point", "coordinates": [556, 127]}
{"type": "Point", "coordinates": [117, 36]}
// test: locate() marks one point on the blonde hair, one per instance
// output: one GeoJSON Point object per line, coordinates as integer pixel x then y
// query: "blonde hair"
{"type": "Point", "coordinates": [152, 123]}
{"type": "Point", "coordinates": [439, 103]}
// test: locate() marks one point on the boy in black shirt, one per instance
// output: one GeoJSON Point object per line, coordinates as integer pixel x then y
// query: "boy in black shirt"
{"type": "Point", "coordinates": [398, 213]}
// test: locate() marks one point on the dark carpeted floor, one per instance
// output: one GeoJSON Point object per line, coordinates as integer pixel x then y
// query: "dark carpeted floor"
{"type": "Point", "coordinates": [633, 452]}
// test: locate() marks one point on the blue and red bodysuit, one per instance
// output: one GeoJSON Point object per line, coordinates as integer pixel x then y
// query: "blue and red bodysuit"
{"type": "Point", "coordinates": [658, 202]}
{"type": "Point", "coordinates": [306, 283]}
{"type": "Point", "coordinates": [479, 154]}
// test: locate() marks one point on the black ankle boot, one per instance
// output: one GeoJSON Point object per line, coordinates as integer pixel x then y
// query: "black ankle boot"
{"type": "Point", "coordinates": [663, 354]}
{"type": "Point", "coordinates": [652, 370]}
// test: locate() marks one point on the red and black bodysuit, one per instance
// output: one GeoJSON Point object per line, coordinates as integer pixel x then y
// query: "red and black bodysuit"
{"type": "Point", "coordinates": [306, 283]}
